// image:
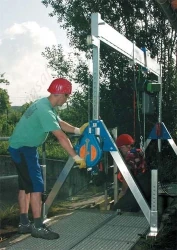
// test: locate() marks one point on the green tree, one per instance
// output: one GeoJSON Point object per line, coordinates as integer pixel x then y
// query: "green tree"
{"type": "Point", "coordinates": [139, 21]}
{"type": "Point", "coordinates": [57, 62]}
{"type": "Point", "coordinates": [4, 101]}
{"type": "Point", "coordinates": [4, 97]}
{"type": "Point", "coordinates": [3, 80]}
{"type": "Point", "coordinates": [74, 68]}
{"type": "Point", "coordinates": [4, 109]}
{"type": "Point", "coordinates": [76, 112]}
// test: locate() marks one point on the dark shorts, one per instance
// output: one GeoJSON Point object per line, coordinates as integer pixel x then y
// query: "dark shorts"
{"type": "Point", "coordinates": [128, 202]}
{"type": "Point", "coordinates": [28, 168]}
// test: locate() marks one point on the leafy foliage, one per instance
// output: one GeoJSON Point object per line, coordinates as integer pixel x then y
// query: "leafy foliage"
{"type": "Point", "coordinates": [73, 68]}
{"type": "Point", "coordinates": [53, 150]}
{"type": "Point", "coordinates": [57, 62]}
{"type": "Point", "coordinates": [3, 80]}
{"type": "Point", "coordinates": [121, 85]}
{"type": "Point", "coordinates": [139, 21]}
{"type": "Point", "coordinates": [4, 101]}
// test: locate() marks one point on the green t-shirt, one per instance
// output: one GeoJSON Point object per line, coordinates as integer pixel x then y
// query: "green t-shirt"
{"type": "Point", "coordinates": [35, 124]}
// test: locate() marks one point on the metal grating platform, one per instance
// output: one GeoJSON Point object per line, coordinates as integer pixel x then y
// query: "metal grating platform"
{"type": "Point", "coordinates": [90, 230]}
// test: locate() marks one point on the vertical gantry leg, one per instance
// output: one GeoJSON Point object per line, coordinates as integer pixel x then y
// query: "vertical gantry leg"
{"type": "Point", "coordinates": [45, 185]}
{"type": "Point", "coordinates": [115, 171]}
{"type": "Point", "coordinates": [96, 86]}
{"type": "Point", "coordinates": [154, 211]}
{"type": "Point", "coordinates": [95, 22]}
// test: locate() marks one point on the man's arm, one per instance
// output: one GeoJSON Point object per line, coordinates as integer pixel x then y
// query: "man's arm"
{"type": "Point", "coordinates": [66, 127]}
{"type": "Point", "coordinates": [71, 129]}
{"type": "Point", "coordinates": [65, 142]}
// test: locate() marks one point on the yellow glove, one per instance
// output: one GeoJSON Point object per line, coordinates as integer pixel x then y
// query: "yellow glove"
{"type": "Point", "coordinates": [83, 127]}
{"type": "Point", "coordinates": [79, 131]}
{"type": "Point", "coordinates": [81, 162]}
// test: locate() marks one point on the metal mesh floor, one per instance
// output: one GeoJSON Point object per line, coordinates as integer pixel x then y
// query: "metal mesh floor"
{"type": "Point", "coordinates": [90, 230]}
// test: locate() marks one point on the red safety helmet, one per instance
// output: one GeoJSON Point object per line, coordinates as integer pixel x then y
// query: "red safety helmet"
{"type": "Point", "coordinates": [124, 139]}
{"type": "Point", "coordinates": [60, 86]}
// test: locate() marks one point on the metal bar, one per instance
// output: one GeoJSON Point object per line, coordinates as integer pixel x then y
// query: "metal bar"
{"type": "Point", "coordinates": [96, 91]}
{"type": "Point", "coordinates": [4, 138]}
{"type": "Point", "coordinates": [58, 184]}
{"type": "Point", "coordinates": [96, 66]}
{"type": "Point", "coordinates": [44, 176]}
{"type": "Point", "coordinates": [131, 183]}
{"type": "Point", "coordinates": [154, 176]}
{"type": "Point", "coordinates": [116, 184]}
{"type": "Point", "coordinates": [106, 183]}
{"type": "Point", "coordinates": [7, 177]}
{"type": "Point", "coordinates": [154, 211]}
{"type": "Point", "coordinates": [160, 94]}
{"type": "Point", "coordinates": [43, 154]}
{"type": "Point", "coordinates": [159, 141]}
{"type": "Point", "coordinates": [173, 145]}
{"type": "Point", "coordinates": [45, 188]}
{"type": "Point", "coordinates": [114, 39]}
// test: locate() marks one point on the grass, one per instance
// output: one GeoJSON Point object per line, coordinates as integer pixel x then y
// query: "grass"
{"type": "Point", "coordinates": [9, 215]}
{"type": "Point", "coordinates": [9, 218]}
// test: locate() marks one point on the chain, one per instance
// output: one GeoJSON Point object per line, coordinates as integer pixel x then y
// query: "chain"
{"type": "Point", "coordinates": [141, 143]}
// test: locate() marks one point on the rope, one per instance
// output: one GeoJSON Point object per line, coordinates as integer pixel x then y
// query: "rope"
{"type": "Point", "coordinates": [137, 100]}
{"type": "Point", "coordinates": [134, 94]}
{"type": "Point", "coordinates": [134, 114]}
{"type": "Point", "coordinates": [136, 104]}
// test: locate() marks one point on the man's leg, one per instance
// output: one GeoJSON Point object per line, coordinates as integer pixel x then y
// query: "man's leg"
{"type": "Point", "coordinates": [31, 186]}
{"type": "Point", "coordinates": [36, 206]}
{"type": "Point", "coordinates": [24, 201]}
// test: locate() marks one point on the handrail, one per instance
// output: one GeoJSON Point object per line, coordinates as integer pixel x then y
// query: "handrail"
{"type": "Point", "coordinates": [4, 138]}
{"type": "Point", "coordinates": [7, 177]}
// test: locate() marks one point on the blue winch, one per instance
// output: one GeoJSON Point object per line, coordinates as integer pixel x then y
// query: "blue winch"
{"type": "Point", "coordinates": [95, 140]}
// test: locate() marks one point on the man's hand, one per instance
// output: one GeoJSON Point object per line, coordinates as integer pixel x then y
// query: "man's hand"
{"type": "Point", "coordinates": [81, 162]}
{"type": "Point", "coordinates": [83, 127]}
{"type": "Point", "coordinates": [79, 131]}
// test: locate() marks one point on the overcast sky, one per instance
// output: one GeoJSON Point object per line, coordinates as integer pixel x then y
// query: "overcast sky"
{"type": "Point", "coordinates": [25, 30]}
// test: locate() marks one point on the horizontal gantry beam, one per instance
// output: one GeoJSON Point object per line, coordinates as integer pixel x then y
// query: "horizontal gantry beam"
{"type": "Point", "coordinates": [105, 33]}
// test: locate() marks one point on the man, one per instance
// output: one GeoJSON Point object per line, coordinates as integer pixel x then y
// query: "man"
{"type": "Point", "coordinates": [31, 132]}
{"type": "Point", "coordinates": [134, 159]}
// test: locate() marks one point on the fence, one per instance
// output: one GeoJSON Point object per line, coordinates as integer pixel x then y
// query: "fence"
{"type": "Point", "coordinates": [75, 181]}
